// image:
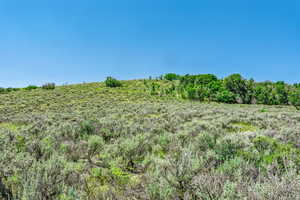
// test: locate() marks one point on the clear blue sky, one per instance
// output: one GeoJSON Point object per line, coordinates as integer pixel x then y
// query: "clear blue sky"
{"type": "Point", "coordinates": [86, 40]}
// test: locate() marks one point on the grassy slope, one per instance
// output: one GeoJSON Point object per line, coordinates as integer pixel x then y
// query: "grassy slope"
{"type": "Point", "coordinates": [116, 142]}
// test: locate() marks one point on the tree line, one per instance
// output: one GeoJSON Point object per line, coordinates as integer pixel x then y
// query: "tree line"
{"type": "Point", "coordinates": [234, 89]}
{"type": "Point", "coordinates": [46, 86]}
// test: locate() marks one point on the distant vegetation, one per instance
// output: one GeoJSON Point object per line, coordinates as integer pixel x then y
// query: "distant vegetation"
{"type": "Point", "coordinates": [7, 90]}
{"type": "Point", "coordinates": [31, 87]}
{"type": "Point", "coordinates": [112, 82]}
{"type": "Point", "coordinates": [46, 86]}
{"type": "Point", "coordinates": [171, 76]}
{"type": "Point", "coordinates": [49, 86]}
{"type": "Point", "coordinates": [232, 89]}
{"type": "Point", "coordinates": [208, 87]}
{"type": "Point", "coordinates": [294, 98]}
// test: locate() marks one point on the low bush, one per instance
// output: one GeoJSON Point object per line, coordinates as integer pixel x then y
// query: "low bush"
{"type": "Point", "coordinates": [8, 90]}
{"type": "Point", "coordinates": [2, 90]}
{"type": "Point", "coordinates": [171, 77]}
{"type": "Point", "coordinates": [112, 82]}
{"type": "Point", "coordinates": [225, 96]}
{"type": "Point", "coordinates": [31, 87]}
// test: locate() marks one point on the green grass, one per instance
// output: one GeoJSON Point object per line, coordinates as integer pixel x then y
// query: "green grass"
{"type": "Point", "coordinates": [242, 127]}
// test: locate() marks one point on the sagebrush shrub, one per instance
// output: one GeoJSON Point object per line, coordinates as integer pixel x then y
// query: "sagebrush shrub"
{"type": "Point", "coordinates": [81, 143]}
{"type": "Point", "coordinates": [86, 128]}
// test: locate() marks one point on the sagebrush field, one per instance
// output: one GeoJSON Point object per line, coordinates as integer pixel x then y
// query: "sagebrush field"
{"type": "Point", "coordinates": [90, 142]}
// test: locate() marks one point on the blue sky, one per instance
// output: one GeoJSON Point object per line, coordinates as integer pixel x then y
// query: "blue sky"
{"type": "Point", "coordinates": [77, 41]}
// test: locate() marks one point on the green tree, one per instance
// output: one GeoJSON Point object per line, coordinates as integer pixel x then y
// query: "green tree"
{"type": "Point", "coordinates": [31, 87]}
{"type": "Point", "coordinates": [171, 77]}
{"type": "Point", "coordinates": [294, 98]}
{"type": "Point", "coordinates": [238, 85]}
{"type": "Point", "coordinates": [261, 94]}
{"type": "Point", "coordinates": [225, 96]}
{"type": "Point", "coordinates": [281, 93]}
{"type": "Point", "coordinates": [49, 86]}
{"type": "Point", "coordinates": [112, 82]}
{"type": "Point", "coordinates": [200, 79]}
{"type": "Point", "coordinates": [2, 90]}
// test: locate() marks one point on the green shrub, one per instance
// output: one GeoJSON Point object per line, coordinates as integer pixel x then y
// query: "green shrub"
{"type": "Point", "coordinates": [119, 176]}
{"type": "Point", "coordinates": [49, 86]}
{"type": "Point", "coordinates": [95, 145]}
{"type": "Point", "coordinates": [263, 93]}
{"type": "Point", "coordinates": [8, 90]}
{"type": "Point", "coordinates": [86, 128]}
{"type": "Point", "coordinates": [2, 90]}
{"type": "Point", "coordinates": [31, 87]}
{"type": "Point", "coordinates": [271, 93]}
{"type": "Point", "coordinates": [112, 82]}
{"type": "Point", "coordinates": [269, 151]}
{"type": "Point", "coordinates": [227, 149]}
{"type": "Point", "coordinates": [206, 141]}
{"type": "Point", "coordinates": [225, 96]}
{"type": "Point", "coordinates": [297, 85]}
{"type": "Point", "coordinates": [281, 92]}
{"type": "Point", "coordinates": [191, 93]}
{"type": "Point", "coordinates": [200, 79]}
{"type": "Point", "coordinates": [171, 77]}
{"type": "Point", "coordinates": [154, 87]}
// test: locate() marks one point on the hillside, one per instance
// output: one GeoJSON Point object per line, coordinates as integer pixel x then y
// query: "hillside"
{"type": "Point", "coordinates": [88, 141]}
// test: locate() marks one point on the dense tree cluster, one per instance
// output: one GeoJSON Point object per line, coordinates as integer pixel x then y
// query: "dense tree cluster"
{"type": "Point", "coordinates": [235, 89]}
